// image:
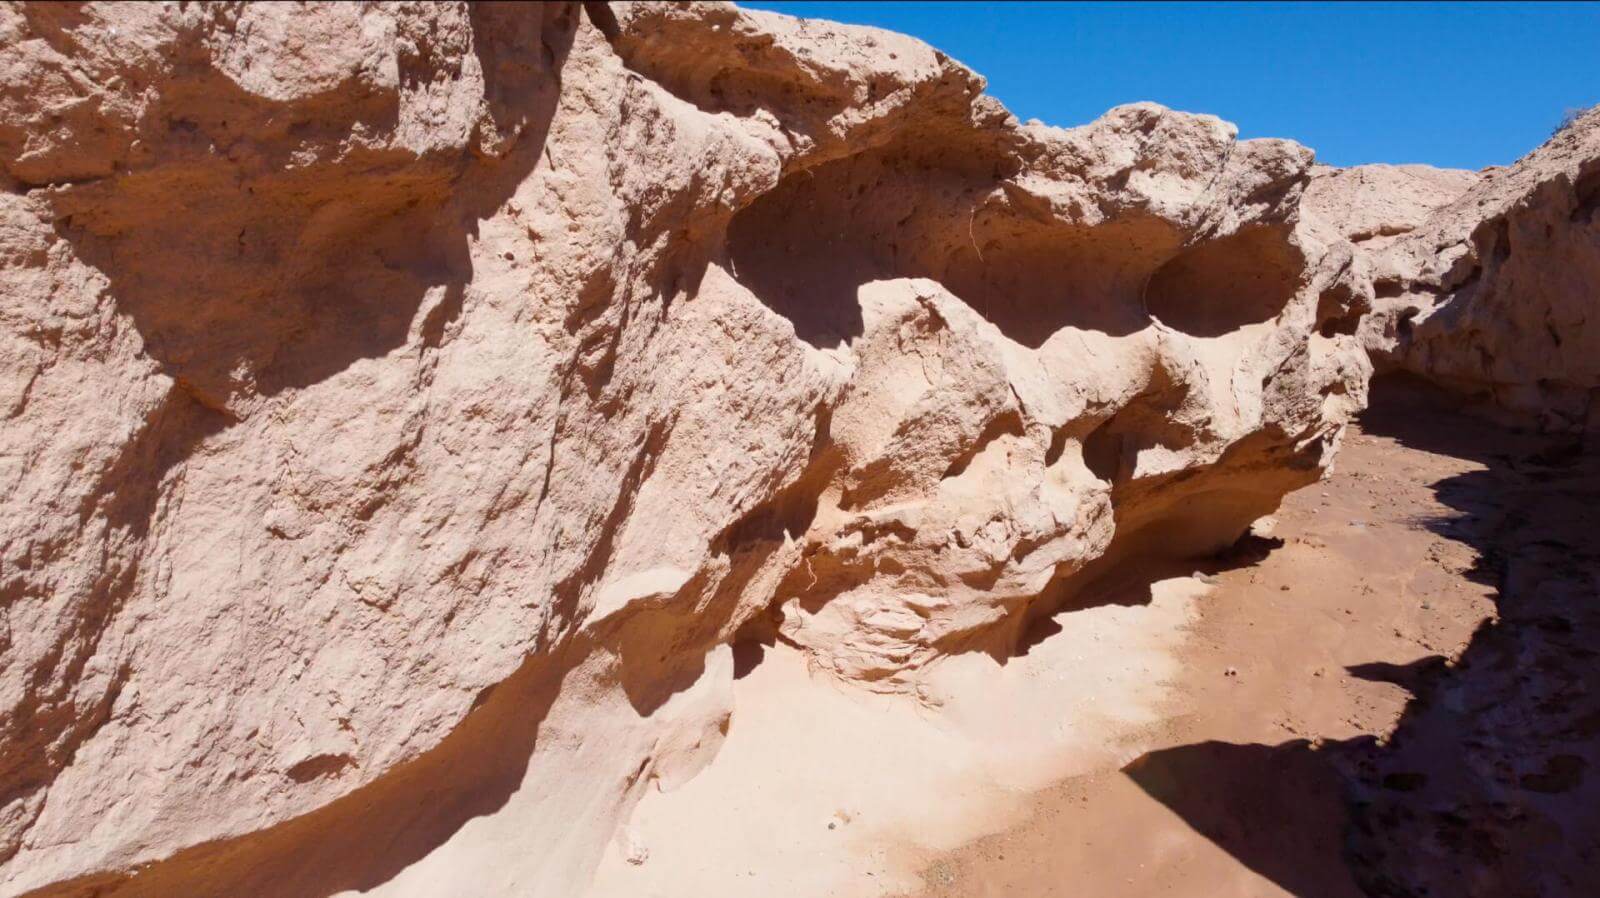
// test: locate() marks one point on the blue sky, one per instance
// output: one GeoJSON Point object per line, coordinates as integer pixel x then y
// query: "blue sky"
{"type": "Point", "coordinates": [1449, 84]}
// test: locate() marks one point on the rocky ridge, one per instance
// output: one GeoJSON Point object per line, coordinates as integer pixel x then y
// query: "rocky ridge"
{"type": "Point", "coordinates": [409, 406]}
{"type": "Point", "coordinates": [1485, 284]}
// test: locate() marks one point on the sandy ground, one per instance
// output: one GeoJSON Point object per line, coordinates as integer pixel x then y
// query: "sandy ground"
{"type": "Point", "coordinates": [824, 788]}
{"type": "Point", "coordinates": [1386, 692]}
{"type": "Point", "coordinates": [1397, 697]}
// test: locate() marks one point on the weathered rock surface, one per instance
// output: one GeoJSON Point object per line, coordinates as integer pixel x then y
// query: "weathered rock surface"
{"type": "Point", "coordinates": [407, 405]}
{"type": "Point", "coordinates": [1371, 205]}
{"type": "Point", "coordinates": [1493, 293]}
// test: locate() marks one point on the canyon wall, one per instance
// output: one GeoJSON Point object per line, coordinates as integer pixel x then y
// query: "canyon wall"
{"type": "Point", "coordinates": [1485, 283]}
{"type": "Point", "coordinates": [408, 406]}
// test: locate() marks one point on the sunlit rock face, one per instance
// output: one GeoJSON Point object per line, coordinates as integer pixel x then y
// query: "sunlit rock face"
{"type": "Point", "coordinates": [407, 405]}
{"type": "Point", "coordinates": [1485, 283]}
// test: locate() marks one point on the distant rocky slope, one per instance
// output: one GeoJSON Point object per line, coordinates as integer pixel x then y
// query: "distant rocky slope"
{"type": "Point", "coordinates": [407, 405]}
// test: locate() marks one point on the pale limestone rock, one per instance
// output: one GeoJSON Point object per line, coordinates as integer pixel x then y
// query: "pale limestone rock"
{"type": "Point", "coordinates": [408, 404]}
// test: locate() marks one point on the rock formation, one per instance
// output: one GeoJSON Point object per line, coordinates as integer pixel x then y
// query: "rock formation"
{"type": "Point", "coordinates": [1372, 205]}
{"type": "Point", "coordinates": [408, 405]}
{"type": "Point", "coordinates": [1485, 284]}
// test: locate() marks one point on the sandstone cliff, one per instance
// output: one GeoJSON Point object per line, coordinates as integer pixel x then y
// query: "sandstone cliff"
{"type": "Point", "coordinates": [1485, 284]}
{"type": "Point", "coordinates": [408, 406]}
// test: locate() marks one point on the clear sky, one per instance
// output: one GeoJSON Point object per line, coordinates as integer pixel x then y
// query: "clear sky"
{"type": "Point", "coordinates": [1449, 84]}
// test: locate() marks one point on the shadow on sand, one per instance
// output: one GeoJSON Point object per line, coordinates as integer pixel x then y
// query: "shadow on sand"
{"type": "Point", "coordinates": [1488, 785]}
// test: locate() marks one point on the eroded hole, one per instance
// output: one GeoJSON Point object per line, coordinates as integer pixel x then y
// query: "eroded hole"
{"type": "Point", "coordinates": [1586, 195]}
{"type": "Point", "coordinates": [1388, 288]}
{"type": "Point", "coordinates": [1150, 420]}
{"type": "Point", "coordinates": [805, 248]}
{"type": "Point", "coordinates": [1405, 326]}
{"type": "Point", "coordinates": [1102, 452]}
{"type": "Point", "coordinates": [1226, 284]}
{"type": "Point", "coordinates": [1342, 324]}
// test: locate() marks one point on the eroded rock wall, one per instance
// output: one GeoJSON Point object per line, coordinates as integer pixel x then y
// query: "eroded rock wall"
{"type": "Point", "coordinates": [408, 404]}
{"type": "Point", "coordinates": [1491, 292]}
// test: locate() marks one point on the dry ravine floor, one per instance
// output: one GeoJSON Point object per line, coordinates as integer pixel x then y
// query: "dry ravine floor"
{"type": "Point", "coordinates": [1392, 694]}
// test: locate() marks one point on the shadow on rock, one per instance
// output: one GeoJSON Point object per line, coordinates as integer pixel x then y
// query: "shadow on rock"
{"type": "Point", "coordinates": [276, 297]}
{"type": "Point", "coordinates": [305, 254]}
